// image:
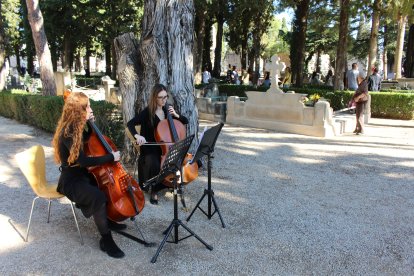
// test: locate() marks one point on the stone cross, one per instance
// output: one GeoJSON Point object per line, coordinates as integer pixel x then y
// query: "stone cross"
{"type": "Point", "coordinates": [275, 68]}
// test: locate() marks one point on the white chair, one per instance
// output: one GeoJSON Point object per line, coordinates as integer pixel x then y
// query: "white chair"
{"type": "Point", "coordinates": [33, 165]}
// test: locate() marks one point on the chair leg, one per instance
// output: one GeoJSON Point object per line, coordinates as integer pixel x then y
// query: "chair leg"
{"type": "Point", "coordinates": [48, 210]}
{"type": "Point", "coordinates": [30, 219]}
{"type": "Point", "coordinates": [76, 221]}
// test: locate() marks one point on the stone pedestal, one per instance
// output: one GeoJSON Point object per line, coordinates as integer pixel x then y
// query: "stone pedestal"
{"type": "Point", "coordinates": [281, 112]}
{"type": "Point", "coordinates": [62, 80]}
{"type": "Point", "coordinates": [108, 84]}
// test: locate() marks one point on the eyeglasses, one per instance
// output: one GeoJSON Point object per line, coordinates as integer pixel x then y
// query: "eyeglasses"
{"type": "Point", "coordinates": [162, 97]}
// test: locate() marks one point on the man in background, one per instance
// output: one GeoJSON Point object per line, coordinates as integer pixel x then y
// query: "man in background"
{"type": "Point", "coordinates": [352, 77]}
{"type": "Point", "coordinates": [374, 81]}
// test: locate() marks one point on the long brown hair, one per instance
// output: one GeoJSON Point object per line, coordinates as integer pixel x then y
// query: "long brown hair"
{"type": "Point", "coordinates": [71, 124]}
{"type": "Point", "coordinates": [152, 103]}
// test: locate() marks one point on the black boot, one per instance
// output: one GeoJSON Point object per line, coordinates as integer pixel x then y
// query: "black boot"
{"type": "Point", "coordinates": [116, 226]}
{"type": "Point", "coordinates": [108, 245]}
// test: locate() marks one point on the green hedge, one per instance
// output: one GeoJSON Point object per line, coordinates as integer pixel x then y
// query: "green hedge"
{"type": "Point", "coordinates": [44, 112]}
{"type": "Point", "coordinates": [392, 105]}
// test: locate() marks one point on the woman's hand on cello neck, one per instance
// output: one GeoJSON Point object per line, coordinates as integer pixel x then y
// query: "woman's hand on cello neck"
{"type": "Point", "coordinates": [117, 155]}
{"type": "Point", "coordinates": [140, 139]}
{"type": "Point", "coordinates": [172, 111]}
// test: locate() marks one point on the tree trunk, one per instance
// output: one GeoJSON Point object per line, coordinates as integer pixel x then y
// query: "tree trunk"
{"type": "Point", "coordinates": [207, 46]}
{"type": "Point", "coordinates": [409, 64]}
{"type": "Point", "coordinates": [67, 53]}
{"type": "Point", "coordinates": [256, 51]}
{"type": "Point", "coordinates": [400, 43]}
{"type": "Point", "coordinates": [244, 52]}
{"type": "Point", "coordinates": [303, 11]}
{"type": "Point", "coordinates": [385, 53]}
{"type": "Point", "coordinates": [3, 72]}
{"type": "Point", "coordinates": [199, 33]}
{"type": "Point", "coordinates": [297, 54]}
{"type": "Point", "coordinates": [42, 48]}
{"type": "Point", "coordinates": [126, 49]}
{"type": "Point", "coordinates": [114, 72]}
{"type": "Point", "coordinates": [373, 41]}
{"type": "Point", "coordinates": [165, 56]}
{"type": "Point", "coordinates": [28, 40]}
{"type": "Point", "coordinates": [78, 62]}
{"type": "Point", "coordinates": [87, 61]}
{"type": "Point", "coordinates": [219, 42]}
{"type": "Point", "coordinates": [107, 47]}
{"type": "Point", "coordinates": [16, 50]}
{"type": "Point", "coordinates": [340, 66]}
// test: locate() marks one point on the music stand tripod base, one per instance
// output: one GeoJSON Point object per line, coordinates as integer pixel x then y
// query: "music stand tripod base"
{"type": "Point", "coordinates": [206, 147]}
{"type": "Point", "coordinates": [172, 164]}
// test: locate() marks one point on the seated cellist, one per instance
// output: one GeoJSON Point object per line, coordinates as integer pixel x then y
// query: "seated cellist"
{"type": "Point", "coordinates": [75, 182]}
{"type": "Point", "coordinates": [150, 156]}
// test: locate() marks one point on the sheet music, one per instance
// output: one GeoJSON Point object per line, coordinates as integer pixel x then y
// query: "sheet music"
{"type": "Point", "coordinates": [200, 136]}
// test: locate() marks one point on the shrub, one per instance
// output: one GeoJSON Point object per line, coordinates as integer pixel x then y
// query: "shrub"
{"type": "Point", "coordinates": [44, 112]}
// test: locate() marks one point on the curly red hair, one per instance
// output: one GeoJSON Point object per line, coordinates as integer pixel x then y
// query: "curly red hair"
{"type": "Point", "coordinates": [71, 124]}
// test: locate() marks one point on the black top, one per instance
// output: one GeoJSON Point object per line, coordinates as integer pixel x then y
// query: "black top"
{"type": "Point", "coordinates": [75, 182]}
{"type": "Point", "coordinates": [65, 143]}
{"type": "Point", "coordinates": [148, 130]}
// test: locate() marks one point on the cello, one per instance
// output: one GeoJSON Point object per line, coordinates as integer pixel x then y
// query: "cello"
{"type": "Point", "coordinates": [170, 130]}
{"type": "Point", "coordinates": [125, 197]}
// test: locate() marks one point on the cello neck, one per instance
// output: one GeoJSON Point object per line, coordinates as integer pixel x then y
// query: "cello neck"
{"type": "Point", "coordinates": [100, 136]}
{"type": "Point", "coordinates": [170, 119]}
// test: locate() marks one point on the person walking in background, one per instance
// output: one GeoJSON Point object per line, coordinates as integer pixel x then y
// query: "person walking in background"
{"type": "Point", "coordinates": [235, 75]}
{"type": "Point", "coordinates": [315, 79]}
{"type": "Point", "coordinates": [206, 75]}
{"type": "Point", "coordinates": [329, 78]}
{"type": "Point", "coordinates": [245, 76]}
{"type": "Point", "coordinates": [360, 99]}
{"type": "Point", "coordinates": [229, 76]}
{"type": "Point", "coordinates": [287, 80]}
{"type": "Point", "coordinates": [266, 82]}
{"type": "Point", "coordinates": [352, 77]}
{"type": "Point", "coordinates": [374, 81]}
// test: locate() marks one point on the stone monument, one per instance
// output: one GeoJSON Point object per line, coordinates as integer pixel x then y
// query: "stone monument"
{"type": "Point", "coordinates": [276, 67]}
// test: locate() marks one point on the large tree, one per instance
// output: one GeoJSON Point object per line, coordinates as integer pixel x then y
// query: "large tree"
{"type": "Point", "coordinates": [409, 63]}
{"type": "Point", "coordinates": [340, 66]}
{"type": "Point", "coordinates": [373, 41]}
{"type": "Point", "coordinates": [42, 47]}
{"type": "Point", "coordinates": [2, 53]}
{"type": "Point", "coordinates": [165, 56]}
{"type": "Point", "coordinates": [297, 46]}
{"type": "Point", "coordinates": [401, 9]}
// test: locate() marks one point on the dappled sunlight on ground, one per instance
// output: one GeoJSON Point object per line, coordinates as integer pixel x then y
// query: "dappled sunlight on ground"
{"type": "Point", "coordinates": [309, 160]}
{"type": "Point", "coordinates": [11, 242]}
{"type": "Point", "coordinates": [220, 196]}
{"type": "Point", "coordinates": [6, 175]}
{"type": "Point", "coordinates": [406, 176]}
{"type": "Point", "coordinates": [292, 205]}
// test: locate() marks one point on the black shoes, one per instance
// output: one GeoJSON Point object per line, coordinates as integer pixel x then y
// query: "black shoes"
{"type": "Point", "coordinates": [144, 189]}
{"type": "Point", "coordinates": [108, 245]}
{"type": "Point", "coordinates": [154, 198]}
{"type": "Point", "coordinates": [116, 226]}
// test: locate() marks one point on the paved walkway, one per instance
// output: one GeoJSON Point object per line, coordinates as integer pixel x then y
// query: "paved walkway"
{"type": "Point", "coordinates": [293, 205]}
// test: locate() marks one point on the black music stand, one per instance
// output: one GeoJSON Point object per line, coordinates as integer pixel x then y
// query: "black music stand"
{"type": "Point", "coordinates": [206, 147]}
{"type": "Point", "coordinates": [172, 165]}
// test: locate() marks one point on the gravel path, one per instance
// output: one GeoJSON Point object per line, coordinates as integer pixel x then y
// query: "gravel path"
{"type": "Point", "coordinates": [293, 205]}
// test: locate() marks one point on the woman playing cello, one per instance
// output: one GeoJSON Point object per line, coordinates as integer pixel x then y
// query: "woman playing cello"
{"type": "Point", "coordinates": [150, 157]}
{"type": "Point", "coordinates": [75, 182]}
